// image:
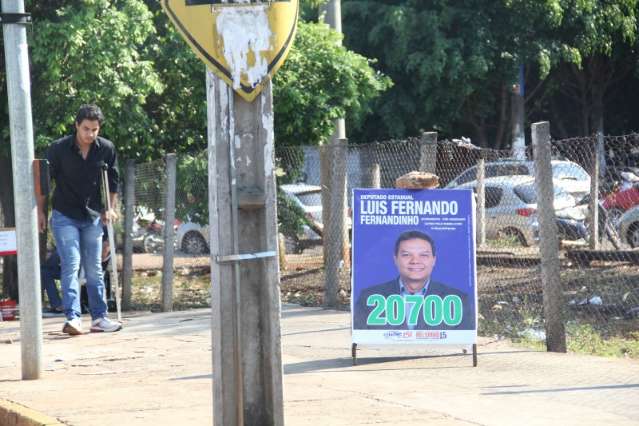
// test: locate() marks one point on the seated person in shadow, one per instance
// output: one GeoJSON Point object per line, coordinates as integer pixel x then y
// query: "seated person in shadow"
{"type": "Point", "coordinates": [415, 258]}
{"type": "Point", "coordinates": [49, 273]}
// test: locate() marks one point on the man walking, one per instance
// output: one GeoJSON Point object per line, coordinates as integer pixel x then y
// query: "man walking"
{"type": "Point", "coordinates": [75, 164]}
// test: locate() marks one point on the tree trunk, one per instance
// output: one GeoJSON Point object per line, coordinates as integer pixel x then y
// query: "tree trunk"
{"type": "Point", "coordinates": [10, 264]}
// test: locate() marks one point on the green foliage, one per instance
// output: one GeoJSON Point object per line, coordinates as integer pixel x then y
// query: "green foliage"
{"type": "Point", "coordinates": [179, 112]}
{"type": "Point", "coordinates": [319, 82]}
{"type": "Point", "coordinates": [290, 216]}
{"type": "Point", "coordinates": [92, 51]}
{"type": "Point", "coordinates": [454, 62]}
{"type": "Point", "coordinates": [584, 338]}
{"type": "Point", "coordinates": [192, 181]}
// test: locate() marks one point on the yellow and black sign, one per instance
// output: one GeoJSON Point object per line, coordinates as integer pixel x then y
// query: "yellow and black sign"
{"type": "Point", "coordinates": [243, 42]}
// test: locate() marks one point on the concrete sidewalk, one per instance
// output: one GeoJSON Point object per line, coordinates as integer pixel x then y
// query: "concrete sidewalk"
{"type": "Point", "coordinates": [157, 371]}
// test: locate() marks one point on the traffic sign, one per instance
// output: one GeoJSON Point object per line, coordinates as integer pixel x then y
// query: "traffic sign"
{"type": "Point", "coordinates": [243, 42]}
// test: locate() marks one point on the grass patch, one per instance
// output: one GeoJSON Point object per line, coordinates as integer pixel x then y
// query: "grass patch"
{"type": "Point", "coordinates": [190, 291]}
{"type": "Point", "coordinates": [586, 339]}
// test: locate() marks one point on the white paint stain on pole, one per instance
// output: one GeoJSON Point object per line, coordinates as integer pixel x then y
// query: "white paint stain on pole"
{"type": "Point", "coordinates": [245, 30]}
{"type": "Point", "coordinates": [267, 125]}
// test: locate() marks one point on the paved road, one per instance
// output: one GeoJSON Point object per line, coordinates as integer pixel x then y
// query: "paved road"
{"type": "Point", "coordinates": [158, 371]}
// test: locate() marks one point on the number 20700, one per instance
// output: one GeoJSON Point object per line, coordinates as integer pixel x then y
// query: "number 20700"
{"type": "Point", "coordinates": [392, 310]}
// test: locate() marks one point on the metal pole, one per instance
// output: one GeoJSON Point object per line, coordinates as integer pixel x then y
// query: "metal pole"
{"type": "Point", "coordinates": [115, 283]}
{"type": "Point", "coordinates": [21, 128]}
{"type": "Point", "coordinates": [481, 203]}
{"type": "Point", "coordinates": [594, 198]}
{"type": "Point", "coordinates": [548, 239]}
{"type": "Point", "coordinates": [169, 235]}
{"type": "Point", "coordinates": [127, 260]}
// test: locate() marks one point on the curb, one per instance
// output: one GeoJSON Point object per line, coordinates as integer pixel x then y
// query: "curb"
{"type": "Point", "coordinates": [12, 414]}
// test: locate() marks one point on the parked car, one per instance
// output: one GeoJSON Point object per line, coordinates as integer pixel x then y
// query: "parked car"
{"type": "Point", "coordinates": [193, 238]}
{"type": "Point", "coordinates": [573, 178]}
{"type": "Point", "coordinates": [629, 227]}
{"type": "Point", "coordinates": [511, 210]}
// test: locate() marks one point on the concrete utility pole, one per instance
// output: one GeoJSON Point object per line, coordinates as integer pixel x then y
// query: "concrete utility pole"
{"type": "Point", "coordinates": [334, 247]}
{"type": "Point", "coordinates": [518, 117]}
{"type": "Point", "coordinates": [548, 240]}
{"type": "Point", "coordinates": [22, 154]}
{"type": "Point", "coordinates": [247, 360]}
{"type": "Point", "coordinates": [169, 235]}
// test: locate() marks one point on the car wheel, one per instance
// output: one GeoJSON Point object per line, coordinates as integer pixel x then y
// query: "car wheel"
{"type": "Point", "coordinates": [633, 235]}
{"type": "Point", "coordinates": [515, 234]}
{"type": "Point", "coordinates": [193, 243]}
{"type": "Point", "coordinates": [153, 243]}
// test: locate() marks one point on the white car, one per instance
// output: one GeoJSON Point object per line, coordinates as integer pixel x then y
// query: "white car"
{"type": "Point", "coordinates": [193, 238]}
{"type": "Point", "coordinates": [571, 176]}
{"type": "Point", "coordinates": [511, 209]}
{"type": "Point", "coordinates": [629, 227]}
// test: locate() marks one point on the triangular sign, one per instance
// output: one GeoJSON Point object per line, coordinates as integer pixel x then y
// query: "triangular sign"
{"type": "Point", "coordinates": [243, 42]}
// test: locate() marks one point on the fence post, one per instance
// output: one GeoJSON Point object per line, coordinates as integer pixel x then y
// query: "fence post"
{"type": "Point", "coordinates": [334, 228]}
{"type": "Point", "coordinates": [169, 218]}
{"type": "Point", "coordinates": [376, 176]}
{"type": "Point", "coordinates": [548, 239]}
{"type": "Point", "coordinates": [594, 198]}
{"type": "Point", "coordinates": [127, 256]}
{"type": "Point", "coordinates": [428, 152]}
{"type": "Point", "coordinates": [481, 203]}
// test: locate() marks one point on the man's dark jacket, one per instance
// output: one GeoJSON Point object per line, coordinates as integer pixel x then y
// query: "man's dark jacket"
{"type": "Point", "coordinates": [392, 287]}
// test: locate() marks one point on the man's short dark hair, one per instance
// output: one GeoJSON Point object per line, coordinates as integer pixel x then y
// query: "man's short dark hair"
{"type": "Point", "coordinates": [414, 235]}
{"type": "Point", "coordinates": [90, 112]}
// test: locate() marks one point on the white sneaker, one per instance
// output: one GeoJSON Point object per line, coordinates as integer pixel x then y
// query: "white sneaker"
{"type": "Point", "coordinates": [73, 327]}
{"type": "Point", "coordinates": [105, 325]}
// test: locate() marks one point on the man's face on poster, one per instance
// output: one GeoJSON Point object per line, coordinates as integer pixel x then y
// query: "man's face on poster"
{"type": "Point", "coordinates": [414, 261]}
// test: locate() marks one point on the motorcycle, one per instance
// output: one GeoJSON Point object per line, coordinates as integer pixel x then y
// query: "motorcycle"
{"type": "Point", "coordinates": [606, 225]}
{"type": "Point", "coordinates": [624, 194]}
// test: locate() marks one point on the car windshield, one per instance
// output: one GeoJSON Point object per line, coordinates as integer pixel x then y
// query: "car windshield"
{"type": "Point", "coordinates": [569, 171]}
{"type": "Point", "coordinates": [311, 199]}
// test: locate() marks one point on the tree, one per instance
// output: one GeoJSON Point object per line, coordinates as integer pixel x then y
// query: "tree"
{"type": "Point", "coordinates": [84, 51]}
{"type": "Point", "coordinates": [94, 53]}
{"type": "Point", "coordinates": [601, 52]}
{"type": "Point", "coordinates": [454, 62]}
{"type": "Point", "coordinates": [319, 82]}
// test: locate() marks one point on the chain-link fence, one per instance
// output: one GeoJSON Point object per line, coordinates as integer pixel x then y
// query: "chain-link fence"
{"type": "Point", "coordinates": [598, 253]}
{"type": "Point", "coordinates": [599, 276]}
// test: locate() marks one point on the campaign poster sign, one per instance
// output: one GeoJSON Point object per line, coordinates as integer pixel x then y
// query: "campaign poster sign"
{"type": "Point", "coordinates": [414, 267]}
{"type": "Point", "coordinates": [7, 241]}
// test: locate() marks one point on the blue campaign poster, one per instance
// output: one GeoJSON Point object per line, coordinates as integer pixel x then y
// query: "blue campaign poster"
{"type": "Point", "coordinates": [414, 267]}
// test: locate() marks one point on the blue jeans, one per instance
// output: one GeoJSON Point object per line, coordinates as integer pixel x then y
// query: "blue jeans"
{"type": "Point", "coordinates": [50, 272]}
{"type": "Point", "coordinates": [80, 241]}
